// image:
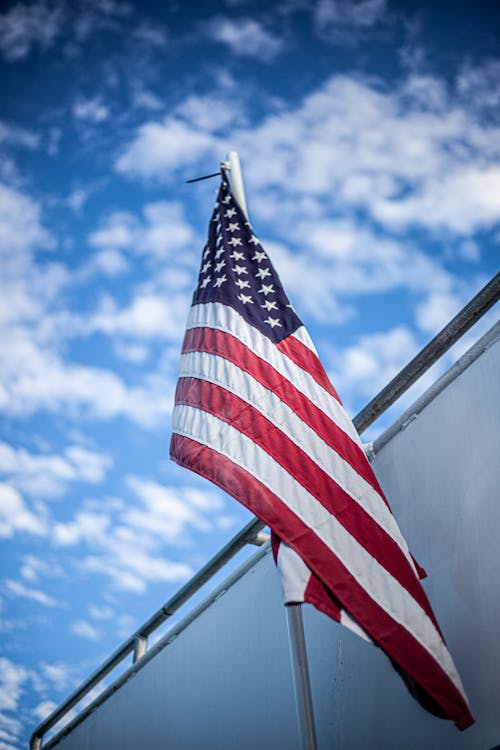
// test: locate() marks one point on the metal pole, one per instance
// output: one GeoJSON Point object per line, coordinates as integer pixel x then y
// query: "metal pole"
{"type": "Point", "coordinates": [301, 680]}
{"type": "Point", "coordinates": [237, 187]}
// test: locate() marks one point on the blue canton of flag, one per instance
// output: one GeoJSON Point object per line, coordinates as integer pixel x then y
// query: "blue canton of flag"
{"type": "Point", "coordinates": [236, 271]}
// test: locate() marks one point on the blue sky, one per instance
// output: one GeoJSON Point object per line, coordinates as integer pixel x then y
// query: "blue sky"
{"type": "Point", "coordinates": [370, 143]}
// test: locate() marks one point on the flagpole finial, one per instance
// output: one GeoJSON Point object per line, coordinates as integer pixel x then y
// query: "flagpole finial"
{"type": "Point", "coordinates": [237, 187]}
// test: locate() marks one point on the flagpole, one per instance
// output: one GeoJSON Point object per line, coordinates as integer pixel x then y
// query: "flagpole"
{"type": "Point", "coordinates": [301, 678]}
{"type": "Point", "coordinates": [237, 187]}
{"type": "Point", "coordinates": [296, 637]}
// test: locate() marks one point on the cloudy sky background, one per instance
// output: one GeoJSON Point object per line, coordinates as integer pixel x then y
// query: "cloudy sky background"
{"type": "Point", "coordinates": [370, 143]}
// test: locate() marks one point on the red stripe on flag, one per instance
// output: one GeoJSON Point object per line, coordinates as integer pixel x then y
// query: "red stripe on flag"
{"type": "Point", "coordinates": [308, 361]}
{"type": "Point", "coordinates": [225, 345]}
{"type": "Point", "coordinates": [400, 645]}
{"type": "Point", "coordinates": [228, 407]}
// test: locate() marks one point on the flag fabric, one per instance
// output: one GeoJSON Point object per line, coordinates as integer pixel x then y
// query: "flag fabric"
{"type": "Point", "coordinates": [256, 414]}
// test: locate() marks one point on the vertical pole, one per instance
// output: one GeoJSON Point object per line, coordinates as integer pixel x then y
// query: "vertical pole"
{"type": "Point", "coordinates": [237, 187]}
{"type": "Point", "coordinates": [301, 681]}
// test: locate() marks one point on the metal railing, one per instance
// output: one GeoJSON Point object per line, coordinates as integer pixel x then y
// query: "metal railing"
{"type": "Point", "coordinates": [252, 532]}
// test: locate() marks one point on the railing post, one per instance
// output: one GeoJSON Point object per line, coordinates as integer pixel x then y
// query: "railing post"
{"type": "Point", "coordinates": [140, 647]}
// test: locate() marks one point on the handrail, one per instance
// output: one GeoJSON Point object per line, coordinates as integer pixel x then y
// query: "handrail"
{"type": "Point", "coordinates": [250, 534]}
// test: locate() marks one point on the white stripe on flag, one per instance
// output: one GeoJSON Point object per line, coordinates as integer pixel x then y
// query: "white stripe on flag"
{"type": "Point", "coordinates": [295, 574]}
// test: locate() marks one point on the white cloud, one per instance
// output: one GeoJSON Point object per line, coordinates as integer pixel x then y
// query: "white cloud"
{"type": "Point", "coordinates": [367, 366]}
{"type": "Point", "coordinates": [462, 201]}
{"type": "Point", "coordinates": [26, 26]}
{"type": "Point", "coordinates": [44, 709]}
{"type": "Point", "coordinates": [16, 136]}
{"type": "Point", "coordinates": [86, 526]}
{"type": "Point", "coordinates": [161, 147]}
{"type": "Point", "coordinates": [101, 613]}
{"type": "Point", "coordinates": [12, 677]}
{"type": "Point", "coordinates": [161, 232]}
{"type": "Point", "coordinates": [414, 155]}
{"type": "Point", "coordinates": [35, 379]}
{"type": "Point", "coordinates": [33, 568]}
{"type": "Point", "coordinates": [168, 513]}
{"type": "Point", "coordinates": [92, 110]}
{"type": "Point", "coordinates": [99, 15]}
{"type": "Point", "coordinates": [469, 250]}
{"type": "Point", "coordinates": [16, 517]}
{"type": "Point", "coordinates": [48, 474]}
{"type": "Point", "coordinates": [17, 588]}
{"type": "Point", "coordinates": [126, 541]}
{"type": "Point", "coordinates": [19, 211]}
{"type": "Point", "coordinates": [150, 315]}
{"type": "Point", "coordinates": [110, 262]}
{"type": "Point", "coordinates": [437, 310]}
{"type": "Point", "coordinates": [340, 19]}
{"type": "Point", "coordinates": [59, 674]}
{"type": "Point", "coordinates": [86, 630]}
{"type": "Point", "coordinates": [210, 113]}
{"type": "Point", "coordinates": [246, 37]}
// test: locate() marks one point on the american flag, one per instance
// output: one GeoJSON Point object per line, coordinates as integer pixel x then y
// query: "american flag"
{"type": "Point", "coordinates": [256, 414]}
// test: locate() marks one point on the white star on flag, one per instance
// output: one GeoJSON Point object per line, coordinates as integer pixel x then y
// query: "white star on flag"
{"type": "Point", "coordinates": [266, 289]}
{"type": "Point", "coordinates": [240, 269]}
{"type": "Point", "coordinates": [263, 272]}
{"type": "Point", "coordinates": [270, 305]}
{"type": "Point", "coordinates": [220, 280]}
{"type": "Point", "coordinates": [259, 256]}
{"type": "Point", "coordinates": [235, 241]}
{"type": "Point", "coordinates": [242, 283]}
{"type": "Point", "coordinates": [273, 322]}
{"type": "Point", "coordinates": [245, 299]}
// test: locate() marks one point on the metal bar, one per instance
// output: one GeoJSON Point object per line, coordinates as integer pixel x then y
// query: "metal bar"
{"type": "Point", "coordinates": [301, 680]}
{"type": "Point", "coordinates": [440, 344]}
{"type": "Point", "coordinates": [206, 177]}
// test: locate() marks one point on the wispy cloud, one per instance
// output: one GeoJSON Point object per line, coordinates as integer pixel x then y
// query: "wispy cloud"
{"type": "Point", "coordinates": [16, 516]}
{"type": "Point", "coordinates": [126, 542]}
{"type": "Point", "coordinates": [24, 27]}
{"type": "Point", "coordinates": [92, 110]}
{"type": "Point", "coordinates": [246, 37]}
{"type": "Point", "coordinates": [18, 588]}
{"type": "Point", "coordinates": [86, 630]}
{"type": "Point", "coordinates": [339, 20]}
{"type": "Point", "coordinates": [47, 475]}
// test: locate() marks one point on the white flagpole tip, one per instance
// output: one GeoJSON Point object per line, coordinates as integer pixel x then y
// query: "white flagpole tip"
{"type": "Point", "coordinates": [237, 187]}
